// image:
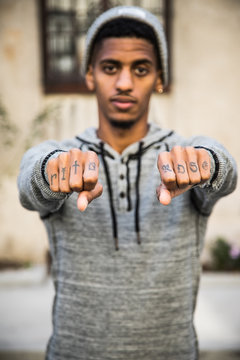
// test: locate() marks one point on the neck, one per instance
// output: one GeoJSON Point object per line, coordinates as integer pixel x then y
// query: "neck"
{"type": "Point", "coordinates": [119, 139]}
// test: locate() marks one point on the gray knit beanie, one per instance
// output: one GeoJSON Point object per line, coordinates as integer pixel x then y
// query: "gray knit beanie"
{"type": "Point", "coordinates": [132, 12]}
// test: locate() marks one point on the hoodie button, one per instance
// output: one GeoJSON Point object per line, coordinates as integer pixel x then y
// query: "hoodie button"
{"type": "Point", "coordinates": [122, 195]}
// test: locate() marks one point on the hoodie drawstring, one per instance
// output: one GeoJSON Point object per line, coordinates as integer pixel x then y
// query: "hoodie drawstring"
{"type": "Point", "coordinates": [110, 193]}
{"type": "Point", "coordinates": [99, 149]}
{"type": "Point", "coordinates": [137, 223]}
{"type": "Point", "coordinates": [128, 186]}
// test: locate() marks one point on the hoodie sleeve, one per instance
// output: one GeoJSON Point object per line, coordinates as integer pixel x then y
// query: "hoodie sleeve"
{"type": "Point", "coordinates": [223, 176]}
{"type": "Point", "coordinates": [34, 191]}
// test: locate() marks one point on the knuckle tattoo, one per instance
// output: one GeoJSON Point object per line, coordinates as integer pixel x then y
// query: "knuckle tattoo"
{"type": "Point", "coordinates": [75, 166]}
{"type": "Point", "coordinates": [205, 165]}
{"type": "Point", "coordinates": [92, 166]}
{"type": "Point", "coordinates": [181, 169]}
{"type": "Point", "coordinates": [63, 171]}
{"type": "Point", "coordinates": [166, 168]}
{"type": "Point", "coordinates": [193, 166]}
{"type": "Point", "coordinates": [53, 176]}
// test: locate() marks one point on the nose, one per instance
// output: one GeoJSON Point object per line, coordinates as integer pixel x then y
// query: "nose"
{"type": "Point", "coordinates": [124, 80]}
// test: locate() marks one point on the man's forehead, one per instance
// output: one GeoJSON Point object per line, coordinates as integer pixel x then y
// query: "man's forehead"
{"type": "Point", "coordinates": [120, 48]}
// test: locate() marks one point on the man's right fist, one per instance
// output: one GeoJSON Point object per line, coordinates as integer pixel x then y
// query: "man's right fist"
{"type": "Point", "coordinates": [75, 171]}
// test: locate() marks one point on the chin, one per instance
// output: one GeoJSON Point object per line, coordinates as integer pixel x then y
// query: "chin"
{"type": "Point", "coordinates": [122, 124]}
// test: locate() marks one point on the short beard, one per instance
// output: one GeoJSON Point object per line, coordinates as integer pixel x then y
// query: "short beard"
{"type": "Point", "coordinates": [122, 124]}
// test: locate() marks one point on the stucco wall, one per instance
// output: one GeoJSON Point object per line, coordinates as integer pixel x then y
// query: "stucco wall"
{"type": "Point", "coordinates": [204, 99]}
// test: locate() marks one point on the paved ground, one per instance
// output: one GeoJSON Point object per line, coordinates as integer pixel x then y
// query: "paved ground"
{"type": "Point", "coordinates": [21, 356]}
{"type": "Point", "coordinates": [25, 315]}
{"type": "Point", "coordinates": [215, 355]}
{"type": "Point", "coordinates": [217, 316]}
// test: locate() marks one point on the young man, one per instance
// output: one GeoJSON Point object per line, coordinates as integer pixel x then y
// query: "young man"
{"type": "Point", "coordinates": [125, 267]}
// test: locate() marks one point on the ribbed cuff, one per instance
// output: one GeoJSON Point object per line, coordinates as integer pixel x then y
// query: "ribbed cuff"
{"type": "Point", "coordinates": [45, 160]}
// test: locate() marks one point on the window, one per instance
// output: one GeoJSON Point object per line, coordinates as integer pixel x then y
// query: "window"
{"type": "Point", "coordinates": [64, 24]}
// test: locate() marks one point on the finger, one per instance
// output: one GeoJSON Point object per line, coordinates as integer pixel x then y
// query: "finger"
{"type": "Point", "coordinates": [90, 174]}
{"type": "Point", "coordinates": [164, 195]}
{"type": "Point", "coordinates": [85, 197]}
{"type": "Point", "coordinates": [52, 173]}
{"type": "Point", "coordinates": [204, 164]}
{"type": "Point", "coordinates": [165, 168]}
{"type": "Point", "coordinates": [180, 167]}
{"type": "Point", "coordinates": [64, 170]}
{"type": "Point", "coordinates": [192, 165]}
{"type": "Point", "coordinates": [76, 169]}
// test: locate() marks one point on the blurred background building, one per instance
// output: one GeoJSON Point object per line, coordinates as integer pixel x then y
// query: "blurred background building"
{"type": "Point", "coordinates": [42, 94]}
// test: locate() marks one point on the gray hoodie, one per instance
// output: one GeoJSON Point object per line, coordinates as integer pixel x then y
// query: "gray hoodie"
{"type": "Point", "coordinates": [136, 303]}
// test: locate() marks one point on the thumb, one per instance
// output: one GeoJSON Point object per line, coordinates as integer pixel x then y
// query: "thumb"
{"type": "Point", "coordinates": [163, 194]}
{"type": "Point", "coordinates": [85, 197]}
{"type": "Point", "coordinates": [82, 201]}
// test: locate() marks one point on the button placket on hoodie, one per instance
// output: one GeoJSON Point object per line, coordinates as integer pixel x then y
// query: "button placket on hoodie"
{"type": "Point", "coordinates": [122, 185]}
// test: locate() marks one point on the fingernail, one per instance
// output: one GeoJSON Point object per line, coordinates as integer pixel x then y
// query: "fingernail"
{"type": "Point", "coordinates": [82, 204]}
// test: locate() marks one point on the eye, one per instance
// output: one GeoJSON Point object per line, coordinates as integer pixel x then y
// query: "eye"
{"type": "Point", "coordinates": [141, 71]}
{"type": "Point", "coordinates": [109, 69]}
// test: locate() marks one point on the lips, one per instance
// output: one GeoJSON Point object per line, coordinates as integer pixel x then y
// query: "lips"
{"type": "Point", "coordinates": [123, 102]}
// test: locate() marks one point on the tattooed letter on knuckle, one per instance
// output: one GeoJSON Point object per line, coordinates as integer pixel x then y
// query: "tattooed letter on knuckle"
{"type": "Point", "coordinates": [75, 165]}
{"type": "Point", "coordinates": [166, 168]}
{"type": "Point", "coordinates": [53, 176]}
{"type": "Point", "coordinates": [181, 169]}
{"type": "Point", "coordinates": [63, 173]}
{"type": "Point", "coordinates": [193, 166]}
{"type": "Point", "coordinates": [205, 165]}
{"type": "Point", "coordinates": [92, 166]}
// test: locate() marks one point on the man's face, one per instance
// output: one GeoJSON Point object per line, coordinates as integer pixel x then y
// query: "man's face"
{"type": "Point", "coordinates": [123, 74]}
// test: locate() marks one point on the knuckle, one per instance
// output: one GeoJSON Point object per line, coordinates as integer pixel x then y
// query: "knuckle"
{"type": "Point", "coordinates": [91, 153]}
{"type": "Point", "coordinates": [203, 153]}
{"type": "Point", "coordinates": [63, 156]}
{"type": "Point", "coordinates": [195, 179]}
{"type": "Point", "coordinates": [189, 148]}
{"type": "Point", "coordinates": [190, 151]}
{"type": "Point", "coordinates": [205, 177]}
{"type": "Point", "coordinates": [93, 156]}
{"type": "Point", "coordinates": [75, 185]}
{"type": "Point", "coordinates": [169, 180]}
{"type": "Point", "coordinates": [52, 163]}
{"type": "Point", "coordinates": [64, 189]}
{"type": "Point", "coordinates": [162, 156]}
{"type": "Point", "coordinates": [75, 152]}
{"type": "Point", "coordinates": [91, 180]}
{"type": "Point", "coordinates": [183, 184]}
{"type": "Point", "coordinates": [176, 149]}
{"type": "Point", "coordinates": [76, 188]}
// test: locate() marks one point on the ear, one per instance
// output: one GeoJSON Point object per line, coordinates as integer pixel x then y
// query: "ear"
{"type": "Point", "coordinates": [159, 85]}
{"type": "Point", "coordinates": [90, 79]}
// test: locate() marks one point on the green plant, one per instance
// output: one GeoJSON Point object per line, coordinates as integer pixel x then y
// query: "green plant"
{"type": "Point", "coordinates": [226, 257]}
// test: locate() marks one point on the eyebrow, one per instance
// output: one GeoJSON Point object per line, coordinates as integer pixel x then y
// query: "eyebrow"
{"type": "Point", "coordinates": [137, 62]}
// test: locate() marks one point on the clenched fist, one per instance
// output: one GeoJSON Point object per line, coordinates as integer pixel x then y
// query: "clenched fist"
{"type": "Point", "coordinates": [180, 169]}
{"type": "Point", "coordinates": [77, 171]}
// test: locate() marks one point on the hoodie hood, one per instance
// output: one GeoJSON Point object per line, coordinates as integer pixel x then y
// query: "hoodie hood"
{"type": "Point", "coordinates": [154, 135]}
